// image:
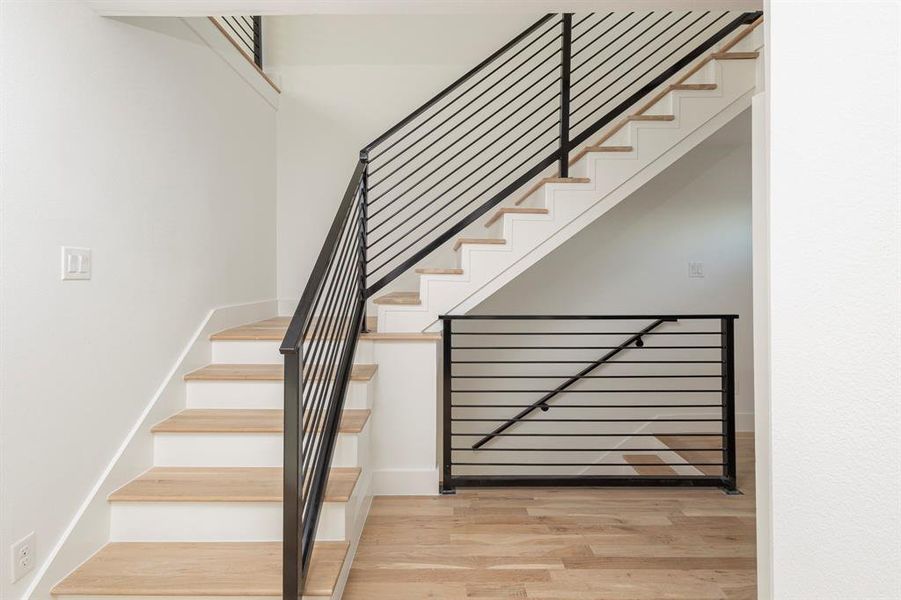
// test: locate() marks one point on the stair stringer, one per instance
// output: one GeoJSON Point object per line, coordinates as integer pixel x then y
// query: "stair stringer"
{"type": "Point", "coordinates": [573, 206]}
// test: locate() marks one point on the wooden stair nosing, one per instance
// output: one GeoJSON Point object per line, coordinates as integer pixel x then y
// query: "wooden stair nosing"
{"type": "Point", "coordinates": [399, 299]}
{"type": "Point", "coordinates": [437, 271]}
{"type": "Point", "coordinates": [508, 210]}
{"type": "Point", "coordinates": [735, 55]}
{"type": "Point", "coordinates": [483, 241]}
{"type": "Point", "coordinates": [263, 372]}
{"type": "Point", "coordinates": [225, 484]}
{"type": "Point", "coordinates": [198, 569]}
{"type": "Point", "coordinates": [678, 87]}
{"type": "Point", "coordinates": [255, 420]}
{"type": "Point", "coordinates": [270, 330]}
{"type": "Point", "coordinates": [651, 118]}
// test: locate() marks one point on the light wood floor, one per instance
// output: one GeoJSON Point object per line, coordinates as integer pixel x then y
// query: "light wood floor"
{"type": "Point", "coordinates": [562, 544]}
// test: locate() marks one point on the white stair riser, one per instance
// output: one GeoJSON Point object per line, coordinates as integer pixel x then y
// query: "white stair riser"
{"type": "Point", "coordinates": [239, 450]}
{"type": "Point", "coordinates": [215, 521]}
{"type": "Point", "coordinates": [257, 352]}
{"type": "Point", "coordinates": [261, 394]}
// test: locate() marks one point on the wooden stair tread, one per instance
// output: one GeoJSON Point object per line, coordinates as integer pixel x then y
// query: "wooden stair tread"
{"type": "Point", "coordinates": [399, 298]}
{"type": "Point", "coordinates": [692, 86]}
{"type": "Point", "coordinates": [274, 330]}
{"type": "Point", "coordinates": [270, 330]}
{"type": "Point", "coordinates": [437, 271]}
{"type": "Point", "coordinates": [537, 185]}
{"type": "Point", "coordinates": [489, 241]}
{"type": "Point", "coordinates": [683, 441]}
{"type": "Point", "coordinates": [198, 569]}
{"type": "Point", "coordinates": [224, 484]}
{"type": "Point", "coordinates": [652, 117]}
{"type": "Point", "coordinates": [648, 464]}
{"type": "Point", "coordinates": [509, 210]}
{"type": "Point", "coordinates": [202, 420]}
{"type": "Point", "coordinates": [267, 372]}
{"type": "Point", "coordinates": [735, 55]}
{"type": "Point", "coordinates": [608, 149]}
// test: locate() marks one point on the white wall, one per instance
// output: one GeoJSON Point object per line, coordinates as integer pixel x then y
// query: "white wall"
{"type": "Point", "coordinates": [634, 259]}
{"type": "Point", "coordinates": [835, 299]}
{"type": "Point", "coordinates": [135, 139]}
{"type": "Point", "coordinates": [345, 80]}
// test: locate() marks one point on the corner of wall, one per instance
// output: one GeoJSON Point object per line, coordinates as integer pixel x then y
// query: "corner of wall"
{"type": "Point", "coordinates": [88, 530]}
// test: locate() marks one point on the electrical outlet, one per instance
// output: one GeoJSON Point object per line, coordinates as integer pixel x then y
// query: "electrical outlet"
{"type": "Point", "coordinates": [22, 554]}
{"type": "Point", "coordinates": [695, 269]}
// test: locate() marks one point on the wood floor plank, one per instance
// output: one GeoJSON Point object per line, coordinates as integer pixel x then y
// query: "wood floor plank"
{"type": "Point", "coordinates": [198, 569]}
{"type": "Point", "coordinates": [224, 484]}
{"type": "Point", "coordinates": [202, 420]}
{"type": "Point", "coordinates": [562, 544]}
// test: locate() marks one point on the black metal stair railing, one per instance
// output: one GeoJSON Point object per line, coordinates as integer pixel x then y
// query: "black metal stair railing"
{"type": "Point", "coordinates": [670, 398]}
{"type": "Point", "coordinates": [507, 121]}
{"type": "Point", "coordinates": [247, 33]}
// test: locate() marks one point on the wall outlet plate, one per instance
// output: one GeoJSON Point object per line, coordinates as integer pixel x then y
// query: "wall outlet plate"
{"type": "Point", "coordinates": [22, 556]}
{"type": "Point", "coordinates": [76, 263]}
{"type": "Point", "coordinates": [695, 269]}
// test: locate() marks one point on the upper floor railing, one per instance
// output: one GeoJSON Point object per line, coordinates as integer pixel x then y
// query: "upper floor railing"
{"type": "Point", "coordinates": [247, 34]}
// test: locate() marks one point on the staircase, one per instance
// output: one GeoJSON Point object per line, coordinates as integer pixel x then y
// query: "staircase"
{"type": "Point", "coordinates": [261, 485]}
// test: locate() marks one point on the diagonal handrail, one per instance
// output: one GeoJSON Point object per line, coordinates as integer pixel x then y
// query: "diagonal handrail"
{"type": "Point", "coordinates": [542, 402]}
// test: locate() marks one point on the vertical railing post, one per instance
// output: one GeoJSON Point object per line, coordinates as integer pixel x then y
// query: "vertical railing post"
{"type": "Point", "coordinates": [292, 577]}
{"type": "Point", "coordinates": [447, 482]}
{"type": "Point", "coordinates": [565, 56]}
{"type": "Point", "coordinates": [258, 41]}
{"type": "Point", "coordinates": [364, 218]}
{"type": "Point", "coordinates": [727, 337]}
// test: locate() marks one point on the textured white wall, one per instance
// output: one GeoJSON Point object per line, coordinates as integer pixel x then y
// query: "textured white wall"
{"type": "Point", "coordinates": [835, 299]}
{"type": "Point", "coordinates": [345, 80]}
{"type": "Point", "coordinates": [135, 139]}
{"type": "Point", "coordinates": [634, 259]}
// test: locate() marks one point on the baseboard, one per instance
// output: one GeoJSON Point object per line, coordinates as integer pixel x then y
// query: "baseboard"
{"type": "Point", "coordinates": [89, 529]}
{"type": "Point", "coordinates": [405, 482]}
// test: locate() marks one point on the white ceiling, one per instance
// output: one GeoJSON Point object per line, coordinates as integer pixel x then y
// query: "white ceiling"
{"type": "Point", "coordinates": [200, 8]}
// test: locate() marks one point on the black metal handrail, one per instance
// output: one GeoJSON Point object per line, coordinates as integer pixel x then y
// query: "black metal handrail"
{"type": "Point", "coordinates": [487, 374]}
{"type": "Point", "coordinates": [482, 138]}
{"type": "Point", "coordinates": [247, 32]}
{"type": "Point", "coordinates": [318, 351]}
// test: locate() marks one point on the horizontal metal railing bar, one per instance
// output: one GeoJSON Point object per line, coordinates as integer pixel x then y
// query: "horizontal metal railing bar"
{"type": "Point", "coordinates": [459, 210]}
{"type": "Point", "coordinates": [586, 480]}
{"type": "Point", "coordinates": [656, 391]}
{"type": "Point", "coordinates": [626, 317]}
{"type": "Point", "coordinates": [580, 376]}
{"type": "Point", "coordinates": [583, 19]}
{"type": "Point", "coordinates": [581, 362]}
{"type": "Point", "coordinates": [575, 464]}
{"type": "Point", "coordinates": [586, 333]}
{"type": "Point", "coordinates": [528, 73]}
{"type": "Point", "coordinates": [655, 83]}
{"type": "Point", "coordinates": [293, 335]}
{"type": "Point", "coordinates": [611, 42]}
{"type": "Point", "coordinates": [584, 347]}
{"type": "Point", "coordinates": [460, 81]}
{"type": "Point", "coordinates": [487, 146]}
{"type": "Point", "coordinates": [514, 420]}
{"type": "Point", "coordinates": [464, 222]}
{"type": "Point", "coordinates": [565, 406]}
{"type": "Point", "coordinates": [622, 435]}
{"type": "Point", "coordinates": [620, 449]}
{"type": "Point", "coordinates": [623, 47]}
{"type": "Point", "coordinates": [462, 137]}
{"type": "Point", "coordinates": [587, 31]}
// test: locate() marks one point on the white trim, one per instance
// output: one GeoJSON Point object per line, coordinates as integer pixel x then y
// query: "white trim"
{"type": "Point", "coordinates": [196, 8]}
{"type": "Point", "coordinates": [88, 530]}
{"type": "Point", "coordinates": [405, 482]}
{"type": "Point", "coordinates": [218, 43]}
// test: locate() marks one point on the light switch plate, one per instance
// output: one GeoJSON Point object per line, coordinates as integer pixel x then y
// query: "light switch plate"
{"type": "Point", "coordinates": [76, 263]}
{"type": "Point", "coordinates": [695, 269]}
